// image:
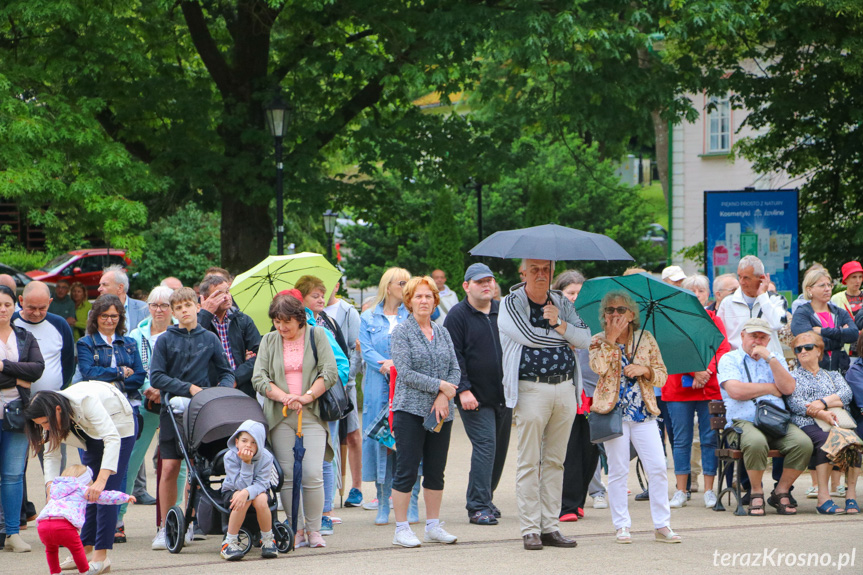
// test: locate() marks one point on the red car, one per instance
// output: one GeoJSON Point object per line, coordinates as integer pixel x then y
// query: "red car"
{"type": "Point", "coordinates": [83, 266]}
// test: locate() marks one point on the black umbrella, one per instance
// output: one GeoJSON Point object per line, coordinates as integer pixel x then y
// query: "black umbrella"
{"type": "Point", "coordinates": [551, 242]}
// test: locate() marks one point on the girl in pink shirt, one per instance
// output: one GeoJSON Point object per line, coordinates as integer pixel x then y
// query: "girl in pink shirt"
{"type": "Point", "coordinates": [61, 520]}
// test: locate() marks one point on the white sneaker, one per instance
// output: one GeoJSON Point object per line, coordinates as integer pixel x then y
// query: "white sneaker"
{"type": "Point", "coordinates": [370, 505]}
{"type": "Point", "coordinates": [190, 534]}
{"type": "Point", "coordinates": [709, 498]}
{"type": "Point", "coordinates": [678, 499]}
{"type": "Point", "coordinates": [406, 538]}
{"type": "Point", "coordinates": [438, 534]}
{"type": "Point", "coordinates": [812, 492]}
{"type": "Point", "coordinates": [159, 541]}
{"type": "Point", "coordinates": [600, 502]}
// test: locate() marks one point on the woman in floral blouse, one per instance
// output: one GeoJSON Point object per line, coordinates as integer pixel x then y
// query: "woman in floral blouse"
{"type": "Point", "coordinates": [817, 390]}
{"type": "Point", "coordinates": [627, 377]}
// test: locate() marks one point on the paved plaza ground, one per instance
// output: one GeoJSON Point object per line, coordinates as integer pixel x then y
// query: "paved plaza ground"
{"type": "Point", "coordinates": [358, 547]}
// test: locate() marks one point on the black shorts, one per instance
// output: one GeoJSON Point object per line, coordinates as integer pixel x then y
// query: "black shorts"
{"type": "Point", "coordinates": [168, 447]}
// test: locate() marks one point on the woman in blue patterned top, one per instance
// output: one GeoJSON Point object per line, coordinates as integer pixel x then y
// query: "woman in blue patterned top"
{"type": "Point", "coordinates": [627, 377]}
{"type": "Point", "coordinates": [817, 390]}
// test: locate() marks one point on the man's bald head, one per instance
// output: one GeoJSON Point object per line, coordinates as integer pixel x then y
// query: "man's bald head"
{"type": "Point", "coordinates": [172, 282]}
{"type": "Point", "coordinates": [35, 301]}
{"type": "Point", "coordinates": [8, 281]}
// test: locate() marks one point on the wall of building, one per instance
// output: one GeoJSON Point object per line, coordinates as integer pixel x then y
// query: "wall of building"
{"type": "Point", "coordinates": [694, 170]}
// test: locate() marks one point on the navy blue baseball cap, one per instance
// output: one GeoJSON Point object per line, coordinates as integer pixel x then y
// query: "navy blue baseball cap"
{"type": "Point", "coordinates": [477, 272]}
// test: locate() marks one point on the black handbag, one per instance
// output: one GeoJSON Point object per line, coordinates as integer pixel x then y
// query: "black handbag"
{"type": "Point", "coordinates": [770, 419]}
{"type": "Point", "coordinates": [13, 415]}
{"type": "Point", "coordinates": [606, 426]}
{"type": "Point", "coordinates": [334, 404]}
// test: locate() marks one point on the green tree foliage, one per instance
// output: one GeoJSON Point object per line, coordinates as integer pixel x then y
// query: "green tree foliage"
{"type": "Point", "coordinates": [797, 68]}
{"type": "Point", "coordinates": [543, 183]}
{"type": "Point", "coordinates": [183, 245]}
{"type": "Point", "coordinates": [445, 242]}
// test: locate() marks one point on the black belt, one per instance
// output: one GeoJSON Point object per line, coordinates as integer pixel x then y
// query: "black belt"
{"type": "Point", "coordinates": [553, 379]}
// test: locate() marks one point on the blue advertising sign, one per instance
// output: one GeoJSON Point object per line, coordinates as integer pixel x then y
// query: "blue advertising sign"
{"type": "Point", "coordinates": [753, 222]}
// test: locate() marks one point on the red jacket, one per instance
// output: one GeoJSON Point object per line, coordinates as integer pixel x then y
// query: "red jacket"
{"type": "Point", "coordinates": [674, 391]}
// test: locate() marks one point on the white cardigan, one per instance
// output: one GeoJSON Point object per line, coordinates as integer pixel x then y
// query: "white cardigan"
{"type": "Point", "coordinates": [102, 412]}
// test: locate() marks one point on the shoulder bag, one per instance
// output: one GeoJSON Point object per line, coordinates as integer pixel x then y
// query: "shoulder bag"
{"type": "Point", "coordinates": [606, 426]}
{"type": "Point", "coordinates": [770, 419]}
{"type": "Point", "coordinates": [334, 404]}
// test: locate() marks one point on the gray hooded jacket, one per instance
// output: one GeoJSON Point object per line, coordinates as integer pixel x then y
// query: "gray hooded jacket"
{"type": "Point", "coordinates": [254, 477]}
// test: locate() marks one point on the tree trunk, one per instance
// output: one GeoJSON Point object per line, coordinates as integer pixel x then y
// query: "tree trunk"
{"type": "Point", "coordinates": [660, 136]}
{"type": "Point", "coordinates": [247, 231]}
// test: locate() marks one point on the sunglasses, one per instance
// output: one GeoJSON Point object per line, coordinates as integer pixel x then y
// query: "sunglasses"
{"type": "Point", "coordinates": [806, 346]}
{"type": "Point", "coordinates": [622, 309]}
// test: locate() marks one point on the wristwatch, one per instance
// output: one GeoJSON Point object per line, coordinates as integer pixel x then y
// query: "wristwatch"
{"type": "Point", "coordinates": [312, 393]}
{"type": "Point", "coordinates": [772, 356]}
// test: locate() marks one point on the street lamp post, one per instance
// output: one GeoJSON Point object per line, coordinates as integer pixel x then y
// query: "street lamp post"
{"type": "Point", "coordinates": [330, 228]}
{"type": "Point", "coordinates": [279, 119]}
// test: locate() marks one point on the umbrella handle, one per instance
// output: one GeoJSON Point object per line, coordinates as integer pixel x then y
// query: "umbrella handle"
{"type": "Point", "coordinates": [299, 420]}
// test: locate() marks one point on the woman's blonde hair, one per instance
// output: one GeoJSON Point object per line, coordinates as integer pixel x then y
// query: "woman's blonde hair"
{"type": "Point", "coordinates": [391, 275]}
{"type": "Point", "coordinates": [411, 288]}
{"type": "Point", "coordinates": [811, 277]}
{"type": "Point", "coordinates": [627, 301]}
{"type": "Point", "coordinates": [816, 339]}
{"type": "Point", "coordinates": [74, 470]}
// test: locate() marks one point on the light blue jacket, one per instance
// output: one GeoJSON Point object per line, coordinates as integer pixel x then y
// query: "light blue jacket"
{"type": "Point", "coordinates": [375, 346]}
{"type": "Point", "coordinates": [141, 335]}
{"type": "Point", "coordinates": [343, 365]}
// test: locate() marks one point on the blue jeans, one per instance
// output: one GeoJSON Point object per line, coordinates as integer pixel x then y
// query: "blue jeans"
{"type": "Point", "coordinates": [13, 457]}
{"type": "Point", "coordinates": [101, 520]}
{"type": "Point", "coordinates": [330, 469]}
{"type": "Point", "coordinates": [683, 422]}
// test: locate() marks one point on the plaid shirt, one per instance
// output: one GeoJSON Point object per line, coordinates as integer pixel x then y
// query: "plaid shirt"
{"type": "Point", "coordinates": [222, 331]}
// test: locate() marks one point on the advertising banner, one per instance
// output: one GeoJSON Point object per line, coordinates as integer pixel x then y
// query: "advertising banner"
{"type": "Point", "coordinates": [753, 222]}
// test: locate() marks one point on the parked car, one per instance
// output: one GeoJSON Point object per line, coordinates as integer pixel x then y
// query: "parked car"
{"type": "Point", "coordinates": [20, 277]}
{"type": "Point", "coordinates": [83, 266]}
{"type": "Point", "coordinates": [656, 235]}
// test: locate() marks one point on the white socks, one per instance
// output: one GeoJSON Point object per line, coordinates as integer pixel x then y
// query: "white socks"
{"type": "Point", "coordinates": [432, 523]}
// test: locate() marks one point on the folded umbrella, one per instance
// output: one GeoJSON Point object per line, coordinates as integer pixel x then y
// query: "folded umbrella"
{"type": "Point", "coordinates": [843, 447]}
{"type": "Point", "coordinates": [687, 337]}
{"type": "Point", "coordinates": [254, 289]}
{"type": "Point", "coordinates": [297, 480]}
{"type": "Point", "coordinates": [551, 242]}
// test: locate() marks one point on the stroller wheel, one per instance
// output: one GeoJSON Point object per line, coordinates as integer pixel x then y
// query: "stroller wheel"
{"type": "Point", "coordinates": [284, 537]}
{"type": "Point", "coordinates": [175, 529]}
{"type": "Point", "coordinates": [245, 540]}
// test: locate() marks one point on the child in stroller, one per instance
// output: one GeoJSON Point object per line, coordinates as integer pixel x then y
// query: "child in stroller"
{"type": "Point", "coordinates": [248, 467]}
{"type": "Point", "coordinates": [213, 418]}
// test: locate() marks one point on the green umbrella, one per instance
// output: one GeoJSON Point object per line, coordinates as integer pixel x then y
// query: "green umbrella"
{"type": "Point", "coordinates": [254, 290]}
{"type": "Point", "coordinates": [687, 337]}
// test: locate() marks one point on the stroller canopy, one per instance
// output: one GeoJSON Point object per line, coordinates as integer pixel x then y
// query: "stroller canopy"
{"type": "Point", "coordinates": [216, 412]}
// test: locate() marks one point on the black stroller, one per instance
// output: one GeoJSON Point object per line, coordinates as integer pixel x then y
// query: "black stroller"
{"type": "Point", "coordinates": [212, 416]}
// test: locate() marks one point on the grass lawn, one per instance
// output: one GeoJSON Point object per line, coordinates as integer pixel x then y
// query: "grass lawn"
{"type": "Point", "coordinates": [652, 196]}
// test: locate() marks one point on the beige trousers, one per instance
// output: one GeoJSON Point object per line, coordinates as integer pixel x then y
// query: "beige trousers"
{"type": "Point", "coordinates": [282, 438]}
{"type": "Point", "coordinates": [543, 419]}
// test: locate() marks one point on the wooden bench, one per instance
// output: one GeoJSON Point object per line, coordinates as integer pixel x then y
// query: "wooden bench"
{"type": "Point", "coordinates": [730, 459]}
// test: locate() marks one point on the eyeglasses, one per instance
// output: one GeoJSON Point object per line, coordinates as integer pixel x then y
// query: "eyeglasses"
{"type": "Point", "coordinates": [402, 283]}
{"type": "Point", "coordinates": [806, 346]}
{"type": "Point", "coordinates": [622, 309]}
{"type": "Point", "coordinates": [160, 306]}
{"type": "Point", "coordinates": [109, 317]}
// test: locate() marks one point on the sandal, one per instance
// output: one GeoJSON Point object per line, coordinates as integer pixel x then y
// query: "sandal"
{"type": "Point", "coordinates": [851, 507]}
{"type": "Point", "coordinates": [775, 501]}
{"type": "Point", "coordinates": [828, 508]}
{"type": "Point", "coordinates": [754, 507]}
{"type": "Point", "coordinates": [623, 535]}
{"type": "Point", "coordinates": [669, 537]}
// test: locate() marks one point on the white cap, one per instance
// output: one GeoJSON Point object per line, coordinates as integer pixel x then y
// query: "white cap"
{"type": "Point", "coordinates": [673, 273]}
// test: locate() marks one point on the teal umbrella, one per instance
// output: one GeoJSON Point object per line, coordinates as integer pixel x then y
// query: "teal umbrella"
{"type": "Point", "coordinates": [687, 337]}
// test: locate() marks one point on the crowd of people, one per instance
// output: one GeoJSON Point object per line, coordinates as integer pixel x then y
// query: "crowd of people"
{"type": "Point", "coordinates": [97, 377]}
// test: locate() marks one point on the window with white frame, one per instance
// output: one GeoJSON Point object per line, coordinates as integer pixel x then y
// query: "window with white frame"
{"type": "Point", "coordinates": [718, 124]}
